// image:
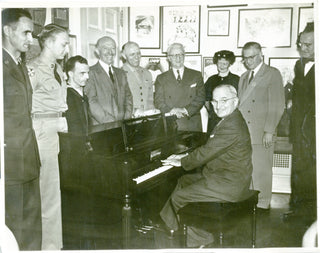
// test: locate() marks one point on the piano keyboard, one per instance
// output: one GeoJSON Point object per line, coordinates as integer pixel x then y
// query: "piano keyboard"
{"type": "Point", "coordinates": [152, 174]}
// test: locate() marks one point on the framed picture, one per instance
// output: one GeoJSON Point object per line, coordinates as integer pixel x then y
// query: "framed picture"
{"type": "Point", "coordinates": [305, 15]}
{"type": "Point", "coordinates": [269, 27]}
{"type": "Point", "coordinates": [144, 26]}
{"type": "Point", "coordinates": [94, 18]}
{"type": "Point", "coordinates": [39, 18]}
{"type": "Point", "coordinates": [218, 22]}
{"type": "Point", "coordinates": [72, 45]}
{"type": "Point", "coordinates": [60, 16]}
{"type": "Point", "coordinates": [193, 62]}
{"type": "Point", "coordinates": [181, 24]}
{"type": "Point", "coordinates": [110, 17]}
{"type": "Point", "coordinates": [286, 67]}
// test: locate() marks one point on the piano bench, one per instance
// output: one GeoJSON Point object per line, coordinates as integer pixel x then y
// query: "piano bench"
{"type": "Point", "coordinates": [214, 217]}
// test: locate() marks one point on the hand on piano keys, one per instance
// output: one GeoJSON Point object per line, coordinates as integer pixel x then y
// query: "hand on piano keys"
{"type": "Point", "coordinates": [174, 160]}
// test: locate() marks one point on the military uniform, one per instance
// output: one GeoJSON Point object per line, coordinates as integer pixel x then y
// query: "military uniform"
{"type": "Point", "coordinates": [140, 83]}
{"type": "Point", "coordinates": [48, 106]}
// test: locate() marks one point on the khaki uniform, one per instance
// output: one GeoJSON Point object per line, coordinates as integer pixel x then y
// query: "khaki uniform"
{"type": "Point", "coordinates": [48, 104]}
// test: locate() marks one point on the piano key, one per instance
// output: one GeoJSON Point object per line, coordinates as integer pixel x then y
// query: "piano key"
{"type": "Point", "coordinates": [152, 174]}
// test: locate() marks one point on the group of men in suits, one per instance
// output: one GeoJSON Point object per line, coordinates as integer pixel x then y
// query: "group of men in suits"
{"type": "Point", "coordinates": [241, 143]}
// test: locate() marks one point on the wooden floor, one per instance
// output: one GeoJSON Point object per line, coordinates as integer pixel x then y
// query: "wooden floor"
{"type": "Point", "coordinates": [95, 223]}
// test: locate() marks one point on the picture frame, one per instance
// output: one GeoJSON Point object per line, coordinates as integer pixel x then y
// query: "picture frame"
{"type": "Point", "coordinates": [193, 62]}
{"type": "Point", "coordinates": [94, 18]}
{"type": "Point", "coordinates": [60, 16]}
{"type": "Point", "coordinates": [218, 22]}
{"type": "Point", "coordinates": [181, 24]}
{"type": "Point", "coordinates": [262, 24]}
{"type": "Point", "coordinates": [39, 18]}
{"type": "Point", "coordinates": [286, 67]}
{"type": "Point", "coordinates": [306, 14]}
{"type": "Point", "coordinates": [144, 26]}
{"type": "Point", "coordinates": [72, 45]}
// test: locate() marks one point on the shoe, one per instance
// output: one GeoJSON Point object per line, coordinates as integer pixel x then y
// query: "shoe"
{"type": "Point", "coordinates": [263, 210]}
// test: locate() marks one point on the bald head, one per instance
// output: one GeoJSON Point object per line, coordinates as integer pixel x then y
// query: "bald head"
{"type": "Point", "coordinates": [131, 52]}
{"type": "Point", "coordinates": [106, 49]}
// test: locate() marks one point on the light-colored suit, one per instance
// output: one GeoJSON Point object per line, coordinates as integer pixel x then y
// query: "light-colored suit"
{"type": "Point", "coordinates": [189, 94]}
{"type": "Point", "coordinates": [140, 83]}
{"type": "Point", "coordinates": [108, 102]}
{"type": "Point", "coordinates": [262, 104]}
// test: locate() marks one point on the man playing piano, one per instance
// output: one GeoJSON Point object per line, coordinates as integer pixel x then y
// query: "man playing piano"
{"type": "Point", "coordinates": [225, 160]}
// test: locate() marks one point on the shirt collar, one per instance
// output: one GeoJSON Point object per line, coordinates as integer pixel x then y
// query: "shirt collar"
{"type": "Point", "coordinates": [105, 66]}
{"type": "Point", "coordinates": [256, 69]}
{"type": "Point", "coordinates": [181, 70]}
{"type": "Point", "coordinates": [77, 89]}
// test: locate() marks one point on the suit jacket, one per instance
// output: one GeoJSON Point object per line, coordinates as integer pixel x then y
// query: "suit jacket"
{"type": "Point", "coordinates": [78, 113]}
{"type": "Point", "coordinates": [22, 163]}
{"type": "Point", "coordinates": [190, 94]}
{"type": "Point", "coordinates": [108, 102]}
{"type": "Point", "coordinates": [303, 106]}
{"type": "Point", "coordinates": [226, 158]}
{"type": "Point", "coordinates": [141, 87]}
{"type": "Point", "coordinates": [262, 101]}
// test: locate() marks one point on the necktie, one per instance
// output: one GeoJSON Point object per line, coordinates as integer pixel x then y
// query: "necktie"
{"type": "Point", "coordinates": [56, 75]}
{"type": "Point", "coordinates": [111, 75]}
{"type": "Point", "coordinates": [251, 76]}
{"type": "Point", "coordinates": [21, 68]}
{"type": "Point", "coordinates": [179, 77]}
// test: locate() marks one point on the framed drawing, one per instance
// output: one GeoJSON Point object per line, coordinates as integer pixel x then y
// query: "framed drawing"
{"type": "Point", "coordinates": [60, 16]}
{"type": "Point", "coordinates": [238, 67]}
{"type": "Point", "coordinates": [72, 45]}
{"type": "Point", "coordinates": [218, 22]}
{"type": "Point", "coordinates": [193, 62]}
{"type": "Point", "coordinates": [269, 27]}
{"type": "Point", "coordinates": [144, 26]}
{"type": "Point", "coordinates": [286, 67]}
{"type": "Point", "coordinates": [209, 68]}
{"type": "Point", "coordinates": [305, 15]}
{"type": "Point", "coordinates": [94, 18]}
{"type": "Point", "coordinates": [181, 24]}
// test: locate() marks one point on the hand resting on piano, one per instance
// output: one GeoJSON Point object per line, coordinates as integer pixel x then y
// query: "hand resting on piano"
{"type": "Point", "coordinates": [174, 160]}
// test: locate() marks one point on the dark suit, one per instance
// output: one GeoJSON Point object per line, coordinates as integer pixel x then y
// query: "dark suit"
{"type": "Point", "coordinates": [189, 94]}
{"type": "Point", "coordinates": [227, 169]}
{"type": "Point", "coordinates": [77, 114]}
{"type": "Point", "coordinates": [108, 102]}
{"type": "Point", "coordinates": [22, 163]}
{"type": "Point", "coordinates": [303, 138]}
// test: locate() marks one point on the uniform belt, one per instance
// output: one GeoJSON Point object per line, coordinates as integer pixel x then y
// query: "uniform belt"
{"type": "Point", "coordinates": [48, 115]}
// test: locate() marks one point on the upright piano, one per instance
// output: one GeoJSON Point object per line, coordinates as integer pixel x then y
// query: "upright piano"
{"type": "Point", "coordinates": [123, 159]}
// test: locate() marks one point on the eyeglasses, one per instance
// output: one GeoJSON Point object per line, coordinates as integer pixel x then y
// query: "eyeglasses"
{"type": "Point", "coordinates": [176, 55]}
{"type": "Point", "coordinates": [307, 45]}
{"type": "Point", "coordinates": [248, 57]}
{"type": "Point", "coordinates": [222, 101]}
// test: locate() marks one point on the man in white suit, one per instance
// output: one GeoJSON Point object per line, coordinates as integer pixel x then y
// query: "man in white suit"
{"type": "Point", "coordinates": [261, 96]}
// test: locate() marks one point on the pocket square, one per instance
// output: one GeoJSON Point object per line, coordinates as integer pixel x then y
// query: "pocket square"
{"type": "Point", "coordinates": [212, 135]}
{"type": "Point", "coordinates": [193, 85]}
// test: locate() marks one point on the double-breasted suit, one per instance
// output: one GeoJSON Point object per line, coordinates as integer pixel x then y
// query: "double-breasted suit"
{"type": "Point", "coordinates": [108, 101]}
{"type": "Point", "coordinates": [261, 103]}
{"type": "Point", "coordinates": [189, 94]}
{"type": "Point", "coordinates": [21, 156]}
{"type": "Point", "coordinates": [303, 138]}
{"type": "Point", "coordinates": [226, 173]}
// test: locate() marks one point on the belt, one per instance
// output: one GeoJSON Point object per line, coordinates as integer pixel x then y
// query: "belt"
{"type": "Point", "coordinates": [48, 115]}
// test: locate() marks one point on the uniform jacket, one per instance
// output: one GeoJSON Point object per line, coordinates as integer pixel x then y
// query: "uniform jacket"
{"type": "Point", "coordinates": [262, 101]}
{"type": "Point", "coordinates": [77, 115]}
{"type": "Point", "coordinates": [141, 87]}
{"type": "Point", "coordinates": [108, 102]}
{"type": "Point", "coordinates": [226, 158]}
{"type": "Point", "coordinates": [22, 161]}
{"type": "Point", "coordinates": [190, 94]}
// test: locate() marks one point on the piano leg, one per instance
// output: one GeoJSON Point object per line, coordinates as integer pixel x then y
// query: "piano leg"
{"type": "Point", "coordinates": [126, 222]}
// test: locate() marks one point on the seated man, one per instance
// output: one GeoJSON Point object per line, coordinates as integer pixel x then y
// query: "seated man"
{"type": "Point", "coordinates": [225, 158]}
